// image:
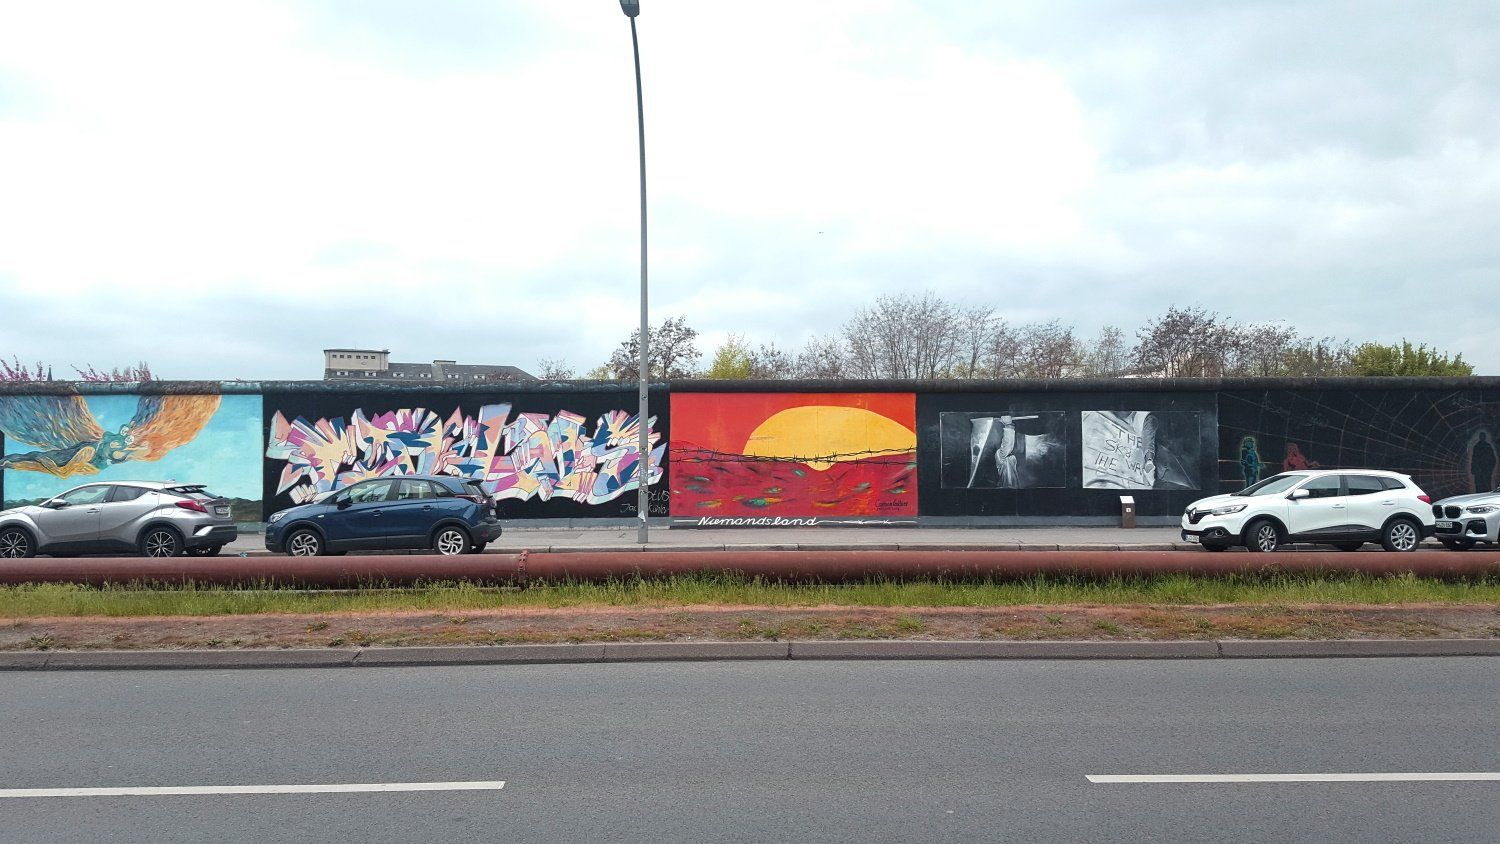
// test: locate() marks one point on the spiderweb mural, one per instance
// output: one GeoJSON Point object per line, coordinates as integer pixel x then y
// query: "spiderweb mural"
{"type": "Point", "coordinates": [1444, 439]}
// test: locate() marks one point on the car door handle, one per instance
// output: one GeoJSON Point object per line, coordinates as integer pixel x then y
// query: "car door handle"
{"type": "Point", "coordinates": [1388, 503]}
{"type": "Point", "coordinates": [375, 512]}
{"type": "Point", "coordinates": [92, 510]}
{"type": "Point", "coordinates": [426, 507]}
{"type": "Point", "coordinates": [1338, 506]}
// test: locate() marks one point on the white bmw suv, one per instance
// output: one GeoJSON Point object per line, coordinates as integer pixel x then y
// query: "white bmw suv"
{"type": "Point", "coordinates": [1344, 508]}
{"type": "Point", "coordinates": [1465, 520]}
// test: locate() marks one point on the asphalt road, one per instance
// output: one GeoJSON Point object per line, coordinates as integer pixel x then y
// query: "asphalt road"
{"type": "Point", "coordinates": [784, 751]}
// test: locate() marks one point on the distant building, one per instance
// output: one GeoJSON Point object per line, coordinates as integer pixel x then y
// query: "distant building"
{"type": "Point", "coordinates": [375, 365]}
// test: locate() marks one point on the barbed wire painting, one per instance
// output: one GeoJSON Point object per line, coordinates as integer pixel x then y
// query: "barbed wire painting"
{"type": "Point", "coordinates": [794, 454]}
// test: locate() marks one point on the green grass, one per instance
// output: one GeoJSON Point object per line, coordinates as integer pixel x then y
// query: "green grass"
{"type": "Point", "coordinates": [32, 601]}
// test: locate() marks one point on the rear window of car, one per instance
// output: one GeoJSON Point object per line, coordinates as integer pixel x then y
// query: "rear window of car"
{"type": "Point", "coordinates": [1392, 483]}
{"type": "Point", "coordinates": [197, 493]}
{"type": "Point", "coordinates": [126, 493]}
{"type": "Point", "coordinates": [1364, 484]}
{"type": "Point", "coordinates": [418, 490]}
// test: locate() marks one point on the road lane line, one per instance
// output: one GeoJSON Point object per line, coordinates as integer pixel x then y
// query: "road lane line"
{"type": "Point", "coordinates": [1480, 776]}
{"type": "Point", "coordinates": [323, 788]}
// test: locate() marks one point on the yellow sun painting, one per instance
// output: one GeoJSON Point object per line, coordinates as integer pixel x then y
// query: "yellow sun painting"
{"type": "Point", "coordinates": [821, 436]}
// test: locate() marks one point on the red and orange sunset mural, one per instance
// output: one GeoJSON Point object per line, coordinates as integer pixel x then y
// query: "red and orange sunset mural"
{"type": "Point", "coordinates": [794, 454]}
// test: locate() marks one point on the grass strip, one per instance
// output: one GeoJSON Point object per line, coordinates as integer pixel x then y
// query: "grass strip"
{"type": "Point", "coordinates": [37, 600]}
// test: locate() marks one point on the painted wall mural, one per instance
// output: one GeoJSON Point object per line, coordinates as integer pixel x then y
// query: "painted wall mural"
{"type": "Point", "coordinates": [1017, 450]}
{"type": "Point", "coordinates": [821, 455]}
{"type": "Point", "coordinates": [1025, 455]}
{"type": "Point", "coordinates": [522, 457]}
{"type": "Point", "coordinates": [1444, 439]}
{"type": "Point", "coordinates": [1140, 449]}
{"type": "Point", "coordinates": [54, 443]}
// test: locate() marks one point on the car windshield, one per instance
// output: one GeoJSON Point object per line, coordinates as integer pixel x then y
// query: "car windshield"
{"type": "Point", "coordinates": [1272, 485]}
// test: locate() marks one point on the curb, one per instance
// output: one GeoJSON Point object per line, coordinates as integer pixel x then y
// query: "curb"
{"type": "Point", "coordinates": [614, 652]}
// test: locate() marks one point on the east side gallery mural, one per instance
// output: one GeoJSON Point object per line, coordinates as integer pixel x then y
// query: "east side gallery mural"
{"type": "Point", "coordinates": [56, 442]}
{"type": "Point", "coordinates": [559, 463]}
{"type": "Point", "coordinates": [1446, 440]}
{"type": "Point", "coordinates": [849, 457]}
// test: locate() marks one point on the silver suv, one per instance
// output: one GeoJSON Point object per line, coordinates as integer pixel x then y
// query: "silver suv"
{"type": "Point", "coordinates": [1465, 520]}
{"type": "Point", "coordinates": [141, 517]}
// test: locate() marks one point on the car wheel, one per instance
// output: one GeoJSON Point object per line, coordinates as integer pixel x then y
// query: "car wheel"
{"type": "Point", "coordinates": [16, 544]}
{"type": "Point", "coordinates": [1401, 535]}
{"type": "Point", "coordinates": [451, 541]}
{"type": "Point", "coordinates": [161, 542]}
{"type": "Point", "coordinates": [1348, 546]}
{"type": "Point", "coordinates": [1457, 544]}
{"type": "Point", "coordinates": [1262, 536]}
{"type": "Point", "coordinates": [304, 543]}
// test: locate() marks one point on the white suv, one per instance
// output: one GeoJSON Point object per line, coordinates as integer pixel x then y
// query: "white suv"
{"type": "Point", "coordinates": [1344, 508]}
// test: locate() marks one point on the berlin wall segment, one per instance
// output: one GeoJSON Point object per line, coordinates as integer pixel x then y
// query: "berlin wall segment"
{"type": "Point", "coordinates": [1051, 454]}
{"type": "Point", "coordinates": [1443, 436]}
{"type": "Point", "coordinates": [55, 441]}
{"type": "Point", "coordinates": [758, 453]}
{"type": "Point", "coordinates": [542, 453]}
{"type": "Point", "coordinates": [794, 459]}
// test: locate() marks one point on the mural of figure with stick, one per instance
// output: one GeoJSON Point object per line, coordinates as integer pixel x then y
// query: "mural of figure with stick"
{"type": "Point", "coordinates": [1482, 463]}
{"type": "Point", "coordinates": [1250, 464]}
{"type": "Point", "coordinates": [1005, 455]}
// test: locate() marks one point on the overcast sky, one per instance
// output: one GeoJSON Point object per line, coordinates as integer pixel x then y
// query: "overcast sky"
{"type": "Point", "coordinates": [224, 189]}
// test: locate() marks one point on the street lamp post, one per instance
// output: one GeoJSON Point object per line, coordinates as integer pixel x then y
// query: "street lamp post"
{"type": "Point", "coordinates": [632, 8]}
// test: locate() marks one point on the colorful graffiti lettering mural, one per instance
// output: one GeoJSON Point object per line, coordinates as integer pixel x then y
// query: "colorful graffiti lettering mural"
{"type": "Point", "coordinates": [794, 454]}
{"type": "Point", "coordinates": [56, 442]}
{"type": "Point", "coordinates": [532, 456]}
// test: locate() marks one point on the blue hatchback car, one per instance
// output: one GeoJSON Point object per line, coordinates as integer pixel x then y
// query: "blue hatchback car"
{"type": "Point", "coordinates": [445, 514]}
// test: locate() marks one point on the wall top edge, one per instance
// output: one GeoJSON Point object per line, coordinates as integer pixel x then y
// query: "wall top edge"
{"type": "Point", "coordinates": [698, 385]}
{"type": "Point", "coordinates": [335, 387]}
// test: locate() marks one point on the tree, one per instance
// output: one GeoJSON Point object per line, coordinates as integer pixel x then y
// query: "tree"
{"type": "Point", "coordinates": [821, 357]}
{"type": "Point", "coordinates": [731, 360]}
{"type": "Point", "coordinates": [673, 351]}
{"type": "Point", "coordinates": [1108, 355]}
{"type": "Point", "coordinates": [1326, 356]}
{"type": "Point", "coordinates": [554, 369]}
{"type": "Point", "coordinates": [903, 336]}
{"type": "Point", "coordinates": [14, 370]}
{"type": "Point", "coordinates": [1408, 360]}
{"type": "Point", "coordinates": [1185, 343]}
{"type": "Point", "coordinates": [1048, 350]}
{"type": "Point", "coordinates": [139, 372]}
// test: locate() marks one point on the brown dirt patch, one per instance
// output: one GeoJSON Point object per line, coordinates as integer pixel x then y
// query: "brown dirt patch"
{"type": "Point", "coordinates": [720, 623]}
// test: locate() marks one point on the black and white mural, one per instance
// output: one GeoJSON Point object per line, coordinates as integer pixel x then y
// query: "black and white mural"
{"type": "Point", "coordinates": [1141, 449]}
{"type": "Point", "coordinates": [1013, 450]}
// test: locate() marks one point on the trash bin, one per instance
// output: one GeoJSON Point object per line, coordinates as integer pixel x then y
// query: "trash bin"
{"type": "Point", "coordinates": [1127, 511]}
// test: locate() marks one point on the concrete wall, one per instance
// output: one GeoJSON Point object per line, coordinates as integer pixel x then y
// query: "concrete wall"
{"type": "Point", "coordinates": [840, 452]}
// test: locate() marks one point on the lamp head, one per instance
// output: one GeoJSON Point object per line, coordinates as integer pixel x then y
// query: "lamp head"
{"type": "Point", "coordinates": [631, 8]}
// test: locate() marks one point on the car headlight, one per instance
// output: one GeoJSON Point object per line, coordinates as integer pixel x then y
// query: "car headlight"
{"type": "Point", "coordinates": [1481, 509]}
{"type": "Point", "coordinates": [1227, 509]}
{"type": "Point", "coordinates": [275, 517]}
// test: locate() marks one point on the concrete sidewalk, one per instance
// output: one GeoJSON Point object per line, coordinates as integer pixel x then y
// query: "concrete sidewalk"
{"type": "Point", "coordinates": [518, 538]}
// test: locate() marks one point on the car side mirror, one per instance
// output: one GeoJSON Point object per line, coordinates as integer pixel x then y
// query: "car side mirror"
{"type": "Point", "coordinates": [1299, 494]}
{"type": "Point", "coordinates": [54, 504]}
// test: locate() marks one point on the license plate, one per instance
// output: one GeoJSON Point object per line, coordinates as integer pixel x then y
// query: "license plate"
{"type": "Point", "coordinates": [1444, 523]}
{"type": "Point", "coordinates": [1189, 537]}
{"type": "Point", "coordinates": [221, 511]}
